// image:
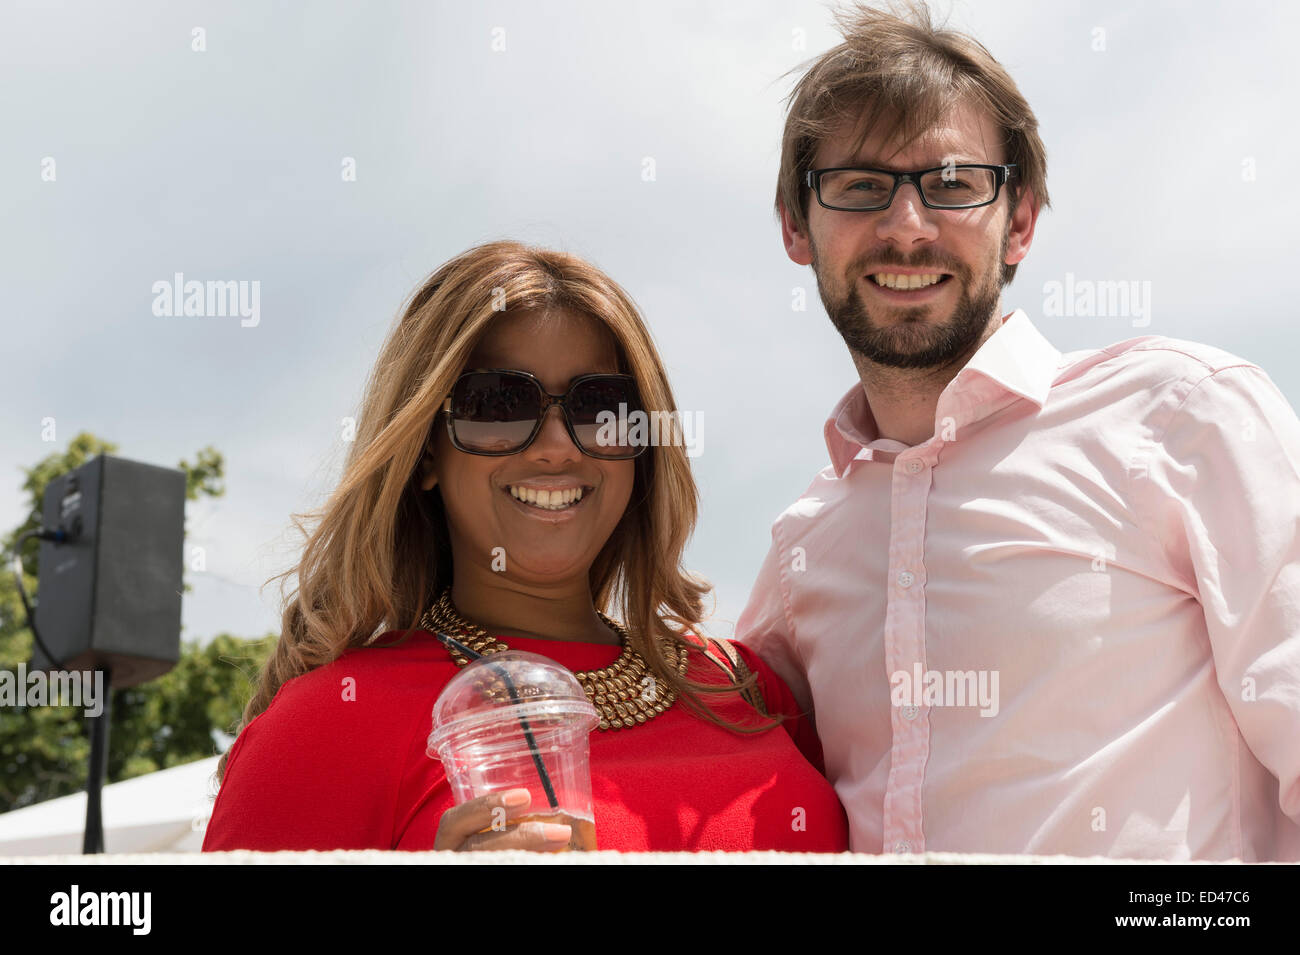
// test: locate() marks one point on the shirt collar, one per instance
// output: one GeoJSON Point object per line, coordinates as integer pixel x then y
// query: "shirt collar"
{"type": "Point", "coordinates": [1016, 361]}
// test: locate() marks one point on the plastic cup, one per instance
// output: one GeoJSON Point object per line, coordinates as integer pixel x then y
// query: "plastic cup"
{"type": "Point", "coordinates": [516, 720]}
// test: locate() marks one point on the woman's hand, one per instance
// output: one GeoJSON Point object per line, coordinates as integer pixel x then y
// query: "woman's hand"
{"type": "Point", "coordinates": [480, 824]}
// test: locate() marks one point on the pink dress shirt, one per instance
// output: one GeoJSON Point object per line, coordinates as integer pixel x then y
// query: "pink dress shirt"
{"type": "Point", "coordinates": [1069, 622]}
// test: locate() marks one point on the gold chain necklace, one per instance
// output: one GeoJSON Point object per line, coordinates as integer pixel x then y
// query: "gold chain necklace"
{"type": "Point", "coordinates": [625, 693]}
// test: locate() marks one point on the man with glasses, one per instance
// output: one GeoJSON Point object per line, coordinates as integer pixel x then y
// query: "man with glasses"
{"type": "Point", "coordinates": [1037, 603]}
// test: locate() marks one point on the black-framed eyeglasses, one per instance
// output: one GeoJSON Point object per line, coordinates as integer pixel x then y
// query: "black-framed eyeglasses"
{"type": "Point", "coordinates": [857, 189]}
{"type": "Point", "coordinates": [499, 411]}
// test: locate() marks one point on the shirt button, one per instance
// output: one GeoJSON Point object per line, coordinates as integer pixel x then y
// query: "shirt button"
{"type": "Point", "coordinates": [905, 579]}
{"type": "Point", "coordinates": [910, 711]}
{"type": "Point", "coordinates": [914, 467]}
{"type": "Point", "coordinates": [903, 848]}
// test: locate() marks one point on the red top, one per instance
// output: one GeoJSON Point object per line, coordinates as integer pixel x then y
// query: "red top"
{"type": "Point", "coordinates": [337, 761]}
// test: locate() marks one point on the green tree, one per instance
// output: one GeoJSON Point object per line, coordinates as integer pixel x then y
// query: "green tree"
{"type": "Point", "coordinates": [44, 751]}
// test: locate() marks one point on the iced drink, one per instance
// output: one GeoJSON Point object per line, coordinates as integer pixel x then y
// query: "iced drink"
{"type": "Point", "coordinates": [516, 720]}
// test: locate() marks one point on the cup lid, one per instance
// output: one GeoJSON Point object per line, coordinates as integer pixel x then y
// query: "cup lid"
{"type": "Point", "coordinates": [499, 690]}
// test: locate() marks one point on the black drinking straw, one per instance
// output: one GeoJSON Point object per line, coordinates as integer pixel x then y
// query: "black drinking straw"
{"type": "Point", "coordinates": [459, 647]}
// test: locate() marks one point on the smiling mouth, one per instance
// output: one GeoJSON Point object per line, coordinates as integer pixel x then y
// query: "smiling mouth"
{"type": "Point", "coordinates": [555, 499]}
{"type": "Point", "coordinates": [908, 283]}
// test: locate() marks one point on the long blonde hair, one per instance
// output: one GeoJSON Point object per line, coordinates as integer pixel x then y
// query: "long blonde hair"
{"type": "Point", "coordinates": [381, 554]}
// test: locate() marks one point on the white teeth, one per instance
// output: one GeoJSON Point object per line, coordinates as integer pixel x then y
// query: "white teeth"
{"type": "Point", "coordinates": [551, 500]}
{"type": "Point", "coordinates": [905, 282]}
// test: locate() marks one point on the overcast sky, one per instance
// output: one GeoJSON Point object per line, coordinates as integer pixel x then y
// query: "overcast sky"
{"type": "Point", "coordinates": [1170, 131]}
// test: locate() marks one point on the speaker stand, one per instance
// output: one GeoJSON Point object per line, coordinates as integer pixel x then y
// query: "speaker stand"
{"type": "Point", "coordinates": [94, 838]}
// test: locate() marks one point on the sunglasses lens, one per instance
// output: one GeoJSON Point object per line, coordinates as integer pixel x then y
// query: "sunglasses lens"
{"type": "Point", "coordinates": [600, 409]}
{"type": "Point", "coordinates": [494, 412]}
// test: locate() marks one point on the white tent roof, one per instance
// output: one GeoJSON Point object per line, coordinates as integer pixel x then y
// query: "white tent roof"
{"type": "Point", "coordinates": [166, 811]}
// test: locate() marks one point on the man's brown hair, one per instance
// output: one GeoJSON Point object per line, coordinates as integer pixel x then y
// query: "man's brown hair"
{"type": "Point", "coordinates": [905, 72]}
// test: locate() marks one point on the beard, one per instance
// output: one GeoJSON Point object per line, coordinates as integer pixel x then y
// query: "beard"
{"type": "Point", "coordinates": [912, 341]}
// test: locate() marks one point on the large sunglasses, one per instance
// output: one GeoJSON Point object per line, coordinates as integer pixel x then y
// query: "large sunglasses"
{"type": "Point", "coordinates": [499, 411]}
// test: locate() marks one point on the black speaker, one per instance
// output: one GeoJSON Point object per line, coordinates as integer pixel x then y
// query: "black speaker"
{"type": "Point", "coordinates": [110, 595]}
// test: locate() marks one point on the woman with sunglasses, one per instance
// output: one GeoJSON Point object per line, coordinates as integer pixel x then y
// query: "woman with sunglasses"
{"type": "Point", "coordinates": [497, 492]}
